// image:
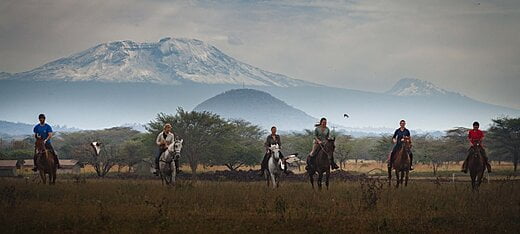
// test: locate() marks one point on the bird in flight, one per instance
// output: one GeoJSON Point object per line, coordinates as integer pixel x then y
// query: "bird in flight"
{"type": "Point", "coordinates": [345, 116]}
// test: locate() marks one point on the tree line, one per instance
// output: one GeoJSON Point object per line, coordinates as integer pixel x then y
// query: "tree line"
{"type": "Point", "coordinates": [210, 140]}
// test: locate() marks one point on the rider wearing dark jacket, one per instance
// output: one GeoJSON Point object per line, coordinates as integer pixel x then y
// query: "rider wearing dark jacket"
{"type": "Point", "coordinates": [399, 134]}
{"type": "Point", "coordinates": [272, 139]}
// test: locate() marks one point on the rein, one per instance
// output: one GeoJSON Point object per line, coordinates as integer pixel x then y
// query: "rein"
{"type": "Point", "coordinates": [323, 149]}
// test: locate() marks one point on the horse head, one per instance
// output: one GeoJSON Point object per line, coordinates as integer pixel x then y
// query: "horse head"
{"type": "Point", "coordinates": [39, 145]}
{"type": "Point", "coordinates": [330, 145]}
{"type": "Point", "coordinates": [407, 142]}
{"type": "Point", "coordinates": [177, 147]}
{"type": "Point", "coordinates": [275, 150]}
{"type": "Point", "coordinates": [476, 150]}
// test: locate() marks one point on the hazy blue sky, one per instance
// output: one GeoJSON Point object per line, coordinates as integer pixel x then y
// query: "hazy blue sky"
{"type": "Point", "coordinates": [468, 46]}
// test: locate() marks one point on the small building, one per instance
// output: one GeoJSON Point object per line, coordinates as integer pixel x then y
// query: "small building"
{"type": "Point", "coordinates": [68, 166]}
{"type": "Point", "coordinates": [8, 168]}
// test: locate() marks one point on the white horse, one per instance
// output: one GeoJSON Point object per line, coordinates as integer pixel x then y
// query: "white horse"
{"type": "Point", "coordinates": [275, 166]}
{"type": "Point", "coordinates": [167, 162]}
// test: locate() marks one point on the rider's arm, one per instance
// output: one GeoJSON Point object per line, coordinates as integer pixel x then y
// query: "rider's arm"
{"type": "Point", "coordinates": [49, 131]}
{"type": "Point", "coordinates": [394, 138]}
{"type": "Point", "coordinates": [158, 139]}
{"type": "Point", "coordinates": [49, 136]}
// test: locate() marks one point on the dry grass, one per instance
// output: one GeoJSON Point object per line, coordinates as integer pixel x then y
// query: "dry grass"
{"type": "Point", "coordinates": [363, 206]}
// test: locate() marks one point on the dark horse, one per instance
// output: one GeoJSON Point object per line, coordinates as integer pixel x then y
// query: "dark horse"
{"type": "Point", "coordinates": [322, 163]}
{"type": "Point", "coordinates": [401, 163]}
{"type": "Point", "coordinates": [476, 166]}
{"type": "Point", "coordinates": [45, 162]}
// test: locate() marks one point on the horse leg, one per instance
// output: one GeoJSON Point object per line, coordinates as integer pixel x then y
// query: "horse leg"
{"type": "Point", "coordinates": [174, 173]}
{"type": "Point", "coordinates": [472, 181]}
{"type": "Point", "coordinates": [397, 178]}
{"type": "Point", "coordinates": [320, 180]}
{"type": "Point", "coordinates": [311, 178]}
{"type": "Point", "coordinates": [267, 177]}
{"type": "Point", "coordinates": [273, 181]}
{"type": "Point", "coordinates": [389, 176]}
{"type": "Point", "coordinates": [327, 176]}
{"type": "Point", "coordinates": [43, 177]}
{"type": "Point", "coordinates": [406, 179]}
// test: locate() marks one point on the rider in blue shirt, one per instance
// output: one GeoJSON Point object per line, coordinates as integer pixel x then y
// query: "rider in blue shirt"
{"type": "Point", "coordinates": [399, 134]}
{"type": "Point", "coordinates": [44, 131]}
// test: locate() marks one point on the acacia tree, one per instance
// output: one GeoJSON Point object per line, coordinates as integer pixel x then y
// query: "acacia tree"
{"type": "Point", "coordinates": [343, 149]}
{"type": "Point", "coordinates": [382, 148]}
{"type": "Point", "coordinates": [200, 130]}
{"type": "Point", "coordinates": [242, 146]}
{"type": "Point", "coordinates": [504, 138]}
{"type": "Point", "coordinates": [77, 145]}
{"type": "Point", "coordinates": [457, 143]}
{"type": "Point", "coordinates": [300, 143]}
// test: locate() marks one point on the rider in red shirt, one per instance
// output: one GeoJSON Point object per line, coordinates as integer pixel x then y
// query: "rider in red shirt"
{"type": "Point", "coordinates": [475, 137]}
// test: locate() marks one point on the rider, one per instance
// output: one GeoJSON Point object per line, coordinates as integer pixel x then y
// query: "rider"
{"type": "Point", "coordinates": [321, 134]}
{"type": "Point", "coordinates": [475, 137]}
{"type": "Point", "coordinates": [272, 139]}
{"type": "Point", "coordinates": [165, 138]}
{"type": "Point", "coordinates": [399, 134]}
{"type": "Point", "coordinates": [44, 131]}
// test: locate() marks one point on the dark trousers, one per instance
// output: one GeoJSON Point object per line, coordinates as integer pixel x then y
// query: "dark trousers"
{"type": "Point", "coordinates": [265, 161]}
{"type": "Point", "coordinates": [160, 151]}
{"type": "Point", "coordinates": [394, 150]}
{"type": "Point", "coordinates": [471, 151]}
{"type": "Point", "coordinates": [49, 147]}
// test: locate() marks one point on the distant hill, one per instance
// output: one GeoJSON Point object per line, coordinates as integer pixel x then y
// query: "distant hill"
{"type": "Point", "coordinates": [23, 129]}
{"type": "Point", "coordinates": [258, 108]}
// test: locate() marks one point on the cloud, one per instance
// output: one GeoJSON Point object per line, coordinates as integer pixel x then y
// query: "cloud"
{"type": "Point", "coordinates": [459, 45]}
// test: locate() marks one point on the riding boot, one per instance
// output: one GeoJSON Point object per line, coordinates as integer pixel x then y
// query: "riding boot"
{"type": "Point", "coordinates": [156, 172]}
{"type": "Point", "coordinates": [35, 168]}
{"type": "Point", "coordinates": [263, 165]}
{"type": "Point", "coordinates": [285, 168]}
{"type": "Point", "coordinates": [333, 164]}
{"type": "Point", "coordinates": [411, 161]}
{"type": "Point", "coordinates": [57, 161]}
{"type": "Point", "coordinates": [177, 166]}
{"type": "Point", "coordinates": [486, 161]}
{"type": "Point", "coordinates": [391, 161]}
{"type": "Point", "coordinates": [465, 165]}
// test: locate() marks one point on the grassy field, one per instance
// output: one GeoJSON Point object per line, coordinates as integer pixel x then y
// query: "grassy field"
{"type": "Point", "coordinates": [114, 206]}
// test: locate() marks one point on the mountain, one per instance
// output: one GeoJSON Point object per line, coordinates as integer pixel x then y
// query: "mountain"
{"type": "Point", "coordinates": [127, 82]}
{"type": "Point", "coordinates": [4, 75]}
{"type": "Point", "coordinates": [23, 129]}
{"type": "Point", "coordinates": [169, 61]}
{"type": "Point", "coordinates": [416, 87]}
{"type": "Point", "coordinates": [257, 107]}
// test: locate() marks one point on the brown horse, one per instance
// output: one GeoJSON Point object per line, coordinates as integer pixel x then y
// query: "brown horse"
{"type": "Point", "coordinates": [401, 163]}
{"type": "Point", "coordinates": [45, 162]}
{"type": "Point", "coordinates": [322, 163]}
{"type": "Point", "coordinates": [476, 166]}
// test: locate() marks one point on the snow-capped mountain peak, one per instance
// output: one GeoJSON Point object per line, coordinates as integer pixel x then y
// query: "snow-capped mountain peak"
{"type": "Point", "coordinates": [4, 75]}
{"type": "Point", "coordinates": [169, 61]}
{"type": "Point", "coordinates": [416, 87]}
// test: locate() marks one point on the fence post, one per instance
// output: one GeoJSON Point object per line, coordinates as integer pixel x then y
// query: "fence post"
{"type": "Point", "coordinates": [453, 177]}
